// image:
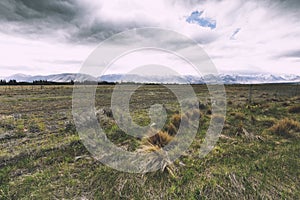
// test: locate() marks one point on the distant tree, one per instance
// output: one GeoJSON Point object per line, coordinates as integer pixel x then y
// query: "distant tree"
{"type": "Point", "coordinates": [2, 82]}
{"type": "Point", "coordinates": [12, 82]}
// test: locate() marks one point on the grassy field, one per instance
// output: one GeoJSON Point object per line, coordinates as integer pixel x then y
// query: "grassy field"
{"type": "Point", "coordinates": [256, 157]}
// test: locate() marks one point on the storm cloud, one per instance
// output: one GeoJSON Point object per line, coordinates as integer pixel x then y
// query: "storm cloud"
{"type": "Point", "coordinates": [237, 34]}
{"type": "Point", "coordinates": [72, 20]}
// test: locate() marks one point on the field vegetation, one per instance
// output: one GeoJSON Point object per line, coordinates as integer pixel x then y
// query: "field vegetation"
{"type": "Point", "coordinates": [256, 157]}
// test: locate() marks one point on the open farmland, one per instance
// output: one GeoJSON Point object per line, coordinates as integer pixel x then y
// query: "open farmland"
{"type": "Point", "coordinates": [257, 155]}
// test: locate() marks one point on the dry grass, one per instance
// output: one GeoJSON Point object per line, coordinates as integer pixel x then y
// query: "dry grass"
{"type": "Point", "coordinates": [176, 120]}
{"type": "Point", "coordinates": [155, 143]}
{"type": "Point", "coordinates": [217, 118]}
{"type": "Point", "coordinates": [286, 127]}
{"type": "Point", "coordinates": [53, 163]}
{"type": "Point", "coordinates": [194, 115]}
{"type": "Point", "coordinates": [294, 109]}
{"type": "Point", "coordinates": [172, 130]}
{"type": "Point", "coordinates": [239, 115]}
{"type": "Point", "coordinates": [184, 120]}
{"type": "Point", "coordinates": [160, 139]}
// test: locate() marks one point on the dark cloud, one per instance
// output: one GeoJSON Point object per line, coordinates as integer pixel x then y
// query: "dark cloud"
{"type": "Point", "coordinates": [285, 7]}
{"type": "Point", "coordinates": [38, 12]}
{"type": "Point", "coordinates": [37, 17]}
{"type": "Point", "coordinates": [289, 4]}
{"type": "Point", "coordinates": [66, 19]}
{"type": "Point", "coordinates": [291, 54]}
{"type": "Point", "coordinates": [71, 21]}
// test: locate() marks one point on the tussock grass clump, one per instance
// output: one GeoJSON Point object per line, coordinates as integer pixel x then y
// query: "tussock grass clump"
{"type": "Point", "coordinates": [172, 130]}
{"type": "Point", "coordinates": [193, 115]}
{"type": "Point", "coordinates": [294, 109]}
{"type": "Point", "coordinates": [155, 143]}
{"type": "Point", "coordinates": [176, 120]}
{"type": "Point", "coordinates": [239, 115]}
{"type": "Point", "coordinates": [217, 118]}
{"type": "Point", "coordinates": [160, 139]}
{"type": "Point", "coordinates": [184, 120]}
{"type": "Point", "coordinates": [286, 127]}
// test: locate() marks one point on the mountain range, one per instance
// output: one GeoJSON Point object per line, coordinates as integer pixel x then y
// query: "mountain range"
{"type": "Point", "coordinates": [117, 78]}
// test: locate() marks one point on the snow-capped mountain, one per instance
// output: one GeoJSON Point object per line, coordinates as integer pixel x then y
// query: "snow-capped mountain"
{"type": "Point", "coordinates": [142, 79]}
{"type": "Point", "coordinates": [65, 77]}
{"type": "Point", "coordinates": [117, 78]}
{"type": "Point", "coordinates": [18, 77]}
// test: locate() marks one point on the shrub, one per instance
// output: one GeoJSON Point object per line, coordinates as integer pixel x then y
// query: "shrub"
{"type": "Point", "coordinates": [285, 127]}
{"type": "Point", "coordinates": [294, 109]}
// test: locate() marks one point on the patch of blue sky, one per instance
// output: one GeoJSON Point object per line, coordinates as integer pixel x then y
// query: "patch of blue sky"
{"type": "Point", "coordinates": [195, 18]}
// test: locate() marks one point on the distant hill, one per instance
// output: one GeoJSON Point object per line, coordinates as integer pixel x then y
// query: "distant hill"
{"type": "Point", "coordinates": [226, 78]}
{"type": "Point", "coordinates": [65, 77]}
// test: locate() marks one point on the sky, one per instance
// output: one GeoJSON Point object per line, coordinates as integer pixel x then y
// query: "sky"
{"type": "Point", "coordinates": [39, 37]}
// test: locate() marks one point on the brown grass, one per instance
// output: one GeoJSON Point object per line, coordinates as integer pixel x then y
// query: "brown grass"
{"type": "Point", "coordinates": [160, 139]}
{"type": "Point", "coordinates": [294, 109]}
{"type": "Point", "coordinates": [286, 127]}
{"type": "Point", "coordinates": [239, 116]}
{"type": "Point", "coordinates": [176, 120]}
{"type": "Point", "coordinates": [217, 118]}
{"type": "Point", "coordinates": [195, 114]}
{"type": "Point", "coordinates": [172, 130]}
{"type": "Point", "coordinates": [184, 120]}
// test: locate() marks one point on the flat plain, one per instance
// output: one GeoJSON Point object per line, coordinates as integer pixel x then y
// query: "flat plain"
{"type": "Point", "coordinates": [256, 157]}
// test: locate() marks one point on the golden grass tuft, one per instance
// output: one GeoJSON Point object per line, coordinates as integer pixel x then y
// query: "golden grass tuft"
{"type": "Point", "coordinates": [176, 120]}
{"type": "Point", "coordinates": [286, 127]}
{"type": "Point", "coordinates": [171, 129]}
{"type": "Point", "coordinates": [160, 139]}
{"type": "Point", "coordinates": [155, 143]}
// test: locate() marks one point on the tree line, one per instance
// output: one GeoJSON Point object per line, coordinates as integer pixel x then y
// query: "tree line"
{"type": "Point", "coordinates": [45, 82]}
